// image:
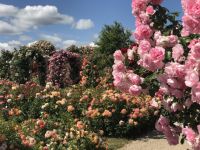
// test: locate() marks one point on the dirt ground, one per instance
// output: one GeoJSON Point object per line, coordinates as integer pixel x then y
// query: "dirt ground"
{"type": "Point", "coordinates": [153, 141]}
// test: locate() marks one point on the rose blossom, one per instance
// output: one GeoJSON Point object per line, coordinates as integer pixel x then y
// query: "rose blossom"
{"type": "Point", "coordinates": [190, 134]}
{"type": "Point", "coordinates": [177, 52]}
{"type": "Point", "coordinates": [118, 55]}
{"type": "Point", "coordinates": [196, 93]}
{"type": "Point", "coordinates": [130, 54]}
{"type": "Point", "coordinates": [143, 32]}
{"type": "Point", "coordinates": [135, 90]}
{"type": "Point", "coordinates": [144, 47]}
{"type": "Point", "coordinates": [191, 78]}
{"type": "Point", "coordinates": [150, 10]}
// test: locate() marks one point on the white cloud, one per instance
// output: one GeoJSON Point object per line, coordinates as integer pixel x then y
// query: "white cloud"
{"type": "Point", "coordinates": [92, 44]}
{"type": "Point", "coordinates": [55, 39]}
{"type": "Point", "coordinates": [7, 28]}
{"type": "Point", "coordinates": [34, 16]}
{"type": "Point", "coordinates": [10, 45]}
{"type": "Point", "coordinates": [31, 43]}
{"type": "Point", "coordinates": [14, 20]}
{"type": "Point", "coordinates": [24, 38]}
{"type": "Point", "coordinates": [68, 43]}
{"type": "Point", "coordinates": [8, 10]}
{"type": "Point", "coordinates": [84, 24]}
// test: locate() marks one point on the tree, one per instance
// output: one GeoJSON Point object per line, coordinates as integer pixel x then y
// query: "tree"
{"type": "Point", "coordinates": [113, 37]}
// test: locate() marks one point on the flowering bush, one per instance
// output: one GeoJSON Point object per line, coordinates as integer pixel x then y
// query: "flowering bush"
{"type": "Point", "coordinates": [43, 119]}
{"type": "Point", "coordinates": [26, 64]}
{"type": "Point", "coordinates": [165, 65]}
{"type": "Point", "coordinates": [114, 113]}
{"type": "Point", "coordinates": [63, 68]}
{"type": "Point", "coordinates": [89, 72]}
{"type": "Point", "coordinates": [120, 114]}
{"type": "Point", "coordinates": [75, 117]}
{"type": "Point", "coordinates": [5, 59]}
{"type": "Point", "coordinates": [43, 47]}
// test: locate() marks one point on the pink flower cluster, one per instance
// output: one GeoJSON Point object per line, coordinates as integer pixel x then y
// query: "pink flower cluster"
{"type": "Point", "coordinates": [153, 60]}
{"type": "Point", "coordinates": [192, 137]}
{"type": "Point", "coordinates": [125, 79]}
{"type": "Point", "coordinates": [142, 5]}
{"type": "Point", "coordinates": [60, 67]}
{"type": "Point", "coordinates": [165, 41]}
{"type": "Point", "coordinates": [171, 133]}
{"type": "Point", "coordinates": [191, 18]}
{"type": "Point", "coordinates": [176, 66]}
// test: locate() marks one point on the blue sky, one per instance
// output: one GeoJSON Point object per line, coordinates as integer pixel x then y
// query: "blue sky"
{"type": "Point", "coordinates": [63, 22]}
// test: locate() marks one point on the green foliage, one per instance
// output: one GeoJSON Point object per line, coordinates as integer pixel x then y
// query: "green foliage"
{"type": "Point", "coordinates": [5, 58]}
{"type": "Point", "coordinates": [43, 47]}
{"type": "Point", "coordinates": [22, 68]}
{"type": "Point", "coordinates": [165, 21]}
{"type": "Point", "coordinates": [74, 49]}
{"type": "Point", "coordinates": [113, 37]}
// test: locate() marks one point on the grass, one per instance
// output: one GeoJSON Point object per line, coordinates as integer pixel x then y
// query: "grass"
{"type": "Point", "coordinates": [116, 143]}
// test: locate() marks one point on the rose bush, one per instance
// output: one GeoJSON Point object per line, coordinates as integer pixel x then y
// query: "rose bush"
{"type": "Point", "coordinates": [64, 68]}
{"type": "Point", "coordinates": [74, 117]}
{"type": "Point", "coordinates": [41, 118]}
{"type": "Point", "coordinates": [165, 64]}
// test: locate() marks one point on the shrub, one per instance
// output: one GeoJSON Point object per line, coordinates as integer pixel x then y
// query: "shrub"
{"type": "Point", "coordinates": [43, 118]}
{"type": "Point", "coordinates": [22, 68]}
{"type": "Point", "coordinates": [5, 58]}
{"type": "Point", "coordinates": [43, 47]}
{"type": "Point", "coordinates": [63, 69]}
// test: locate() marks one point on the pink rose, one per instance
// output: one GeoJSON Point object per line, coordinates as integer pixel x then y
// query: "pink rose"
{"type": "Point", "coordinates": [118, 56]}
{"type": "Point", "coordinates": [144, 18]}
{"type": "Point", "coordinates": [173, 40]}
{"type": "Point", "coordinates": [191, 7]}
{"type": "Point", "coordinates": [191, 78]}
{"type": "Point", "coordinates": [190, 134]}
{"type": "Point", "coordinates": [130, 54]}
{"type": "Point", "coordinates": [143, 32]}
{"type": "Point", "coordinates": [150, 10]}
{"type": "Point", "coordinates": [144, 47]}
{"type": "Point", "coordinates": [177, 52]}
{"type": "Point", "coordinates": [118, 78]}
{"type": "Point", "coordinates": [175, 69]}
{"type": "Point", "coordinates": [191, 24]}
{"type": "Point", "coordinates": [119, 67]}
{"type": "Point", "coordinates": [196, 93]}
{"type": "Point", "coordinates": [135, 90]}
{"type": "Point", "coordinates": [195, 51]}
{"type": "Point", "coordinates": [134, 78]}
{"type": "Point", "coordinates": [162, 123]}
{"type": "Point", "coordinates": [139, 5]}
{"type": "Point", "coordinates": [157, 35]}
{"type": "Point", "coordinates": [157, 53]}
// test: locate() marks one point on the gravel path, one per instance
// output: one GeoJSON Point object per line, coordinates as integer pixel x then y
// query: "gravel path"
{"type": "Point", "coordinates": [153, 141]}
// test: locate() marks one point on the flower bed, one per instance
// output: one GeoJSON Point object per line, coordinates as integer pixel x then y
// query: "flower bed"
{"type": "Point", "coordinates": [75, 117]}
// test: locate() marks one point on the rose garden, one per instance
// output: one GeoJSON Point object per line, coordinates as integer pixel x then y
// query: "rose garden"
{"type": "Point", "coordinates": [80, 97]}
